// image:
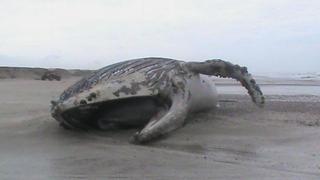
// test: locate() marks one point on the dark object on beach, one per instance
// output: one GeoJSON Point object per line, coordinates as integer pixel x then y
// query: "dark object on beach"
{"type": "Point", "coordinates": [154, 93]}
{"type": "Point", "coordinates": [50, 75]}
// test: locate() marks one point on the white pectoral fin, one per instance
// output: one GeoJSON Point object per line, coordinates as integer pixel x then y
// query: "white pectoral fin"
{"type": "Point", "coordinates": [165, 121]}
{"type": "Point", "coordinates": [225, 69]}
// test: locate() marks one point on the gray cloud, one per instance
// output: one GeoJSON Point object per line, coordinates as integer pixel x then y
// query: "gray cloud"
{"type": "Point", "coordinates": [265, 35]}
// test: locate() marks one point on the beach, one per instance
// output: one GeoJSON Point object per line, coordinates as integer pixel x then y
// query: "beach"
{"type": "Point", "coordinates": [236, 141]}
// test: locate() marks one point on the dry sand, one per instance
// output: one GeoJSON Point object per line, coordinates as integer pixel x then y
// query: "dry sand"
{"type": "Point", "coordinates": [237, 141]}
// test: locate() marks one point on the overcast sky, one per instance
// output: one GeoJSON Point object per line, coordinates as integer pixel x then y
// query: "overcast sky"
{"type": "Point", "coordinates": [265, 35]}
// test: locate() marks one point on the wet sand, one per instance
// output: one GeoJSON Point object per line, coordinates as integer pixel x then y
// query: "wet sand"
{"type": "Point", "coordinates": [237, 141]}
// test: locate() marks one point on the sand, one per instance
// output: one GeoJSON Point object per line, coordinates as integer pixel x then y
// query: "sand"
{"type": "Point", "coordinates": [237, 141]}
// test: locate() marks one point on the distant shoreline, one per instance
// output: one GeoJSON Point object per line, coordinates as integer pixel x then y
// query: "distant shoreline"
{"type": "Point", "coordinates": [32, 73]}
{"type": "Point", "coordinates": [269, 84]}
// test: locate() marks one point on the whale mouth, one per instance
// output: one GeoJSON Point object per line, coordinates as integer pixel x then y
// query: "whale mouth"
{"type": "Point", "coordinates": [128, 112]}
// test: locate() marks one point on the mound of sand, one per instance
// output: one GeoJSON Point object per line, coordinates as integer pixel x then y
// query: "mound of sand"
{"type": "Point", "coordinates": [36, 73]}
